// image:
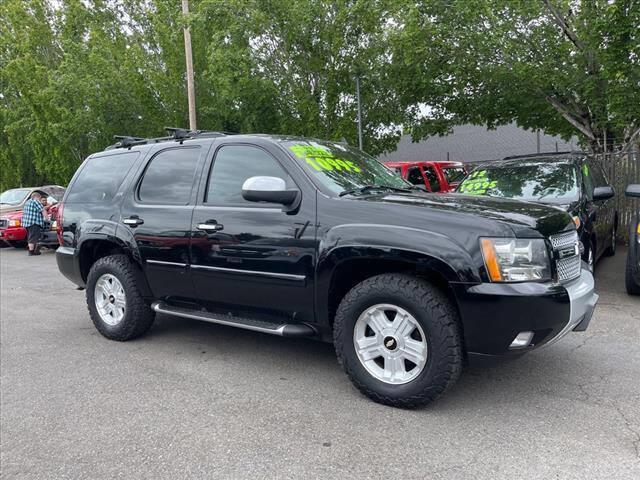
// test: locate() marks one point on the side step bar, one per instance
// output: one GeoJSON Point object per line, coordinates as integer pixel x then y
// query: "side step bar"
{"type": "Point", "coordinates": [283, 330]}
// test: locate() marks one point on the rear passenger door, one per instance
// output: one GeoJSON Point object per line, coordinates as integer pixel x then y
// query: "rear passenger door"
{"type": "Point", "coordinates": [158, 211]}
{"type": "Point", "coordinates": [247, 256]}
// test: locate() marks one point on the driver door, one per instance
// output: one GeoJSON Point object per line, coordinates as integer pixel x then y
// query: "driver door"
{"type": "Point", "coordinates": [249, 255]}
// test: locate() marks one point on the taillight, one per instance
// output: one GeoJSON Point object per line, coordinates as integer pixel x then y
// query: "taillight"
{"type": "Point", "coordinates": [59, 224]}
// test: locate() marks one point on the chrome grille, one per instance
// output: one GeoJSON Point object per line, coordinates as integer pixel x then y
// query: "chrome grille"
{"type": "Point", "coordinates": [564, 240]}
{"type": "Point", "coordinates": [567, 268]}
{"type": "Point", "coordinates": [4, 223]}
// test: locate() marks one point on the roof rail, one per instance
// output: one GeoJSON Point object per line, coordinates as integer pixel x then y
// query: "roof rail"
{"type": "Point", "coordinates": [544, 154]}
{"type": "Point", "coordinates": [176, 133]}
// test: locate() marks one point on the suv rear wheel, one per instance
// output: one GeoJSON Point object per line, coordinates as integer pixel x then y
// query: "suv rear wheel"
{"type": "Point", "coordinates": [398, 339]}
{"type": "Point", "coordinates": [116, 306]}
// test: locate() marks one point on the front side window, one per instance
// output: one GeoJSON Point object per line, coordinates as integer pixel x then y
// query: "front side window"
{"type": "Point", "coordinates": [543, 182]}
{"type": "Point", "coordinates": [101, 177]}
{"type": "Point", "coordinates": [343, 169]}
{"type": "Point", "coordinates": [432, 176]}
{"type": "Point", "coordinates": [233, 165]}
{"type": "Point", "coordinates": [414, 176]}
{"type": "Point", "coordinates": [168, 178]}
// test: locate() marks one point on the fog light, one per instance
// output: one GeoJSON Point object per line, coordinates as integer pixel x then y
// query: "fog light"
{"type": "Point", "coordinates": [523, 339]}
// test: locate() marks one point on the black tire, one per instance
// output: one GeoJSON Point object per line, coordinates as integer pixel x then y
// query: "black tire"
{"type": "Point", "coordinates": [632, 275]}
{"type": "Point", "coordinates": [611, 249]}
{"type": "Point", "coordinates": [436, 316]}
{"type": "Point", "coordinates": [590, 248]}
{"type": "Point", "coordinates": [138, 316]}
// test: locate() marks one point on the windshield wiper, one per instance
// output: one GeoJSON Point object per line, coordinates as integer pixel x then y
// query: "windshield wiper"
{"type": "Point", "coordinates": [368, 188]}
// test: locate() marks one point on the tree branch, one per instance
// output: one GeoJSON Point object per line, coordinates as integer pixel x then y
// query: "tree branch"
{"type": "Point", "coordinates": [569, 117]}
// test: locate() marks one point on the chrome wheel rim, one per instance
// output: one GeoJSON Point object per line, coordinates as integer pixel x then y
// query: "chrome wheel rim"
{"type": "Point", "coordinates": [390, 344]}
{"type": "Point", "coordinates": [110, 299]}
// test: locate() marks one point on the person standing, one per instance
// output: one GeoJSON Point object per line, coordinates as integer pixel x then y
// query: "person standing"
{"type": "Point", "coordinates": [33, 218]}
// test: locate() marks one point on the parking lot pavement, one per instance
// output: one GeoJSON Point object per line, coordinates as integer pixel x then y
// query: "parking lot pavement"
{"type": "Point", "coordinates": [195, 400]}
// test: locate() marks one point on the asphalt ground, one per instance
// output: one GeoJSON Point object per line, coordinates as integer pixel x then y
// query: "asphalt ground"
{"type": "Point", "coordinates": [196, 400]}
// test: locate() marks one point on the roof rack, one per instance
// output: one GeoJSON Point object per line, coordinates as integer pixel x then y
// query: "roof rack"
{"type": "Point", "coordinates": [176, 134]}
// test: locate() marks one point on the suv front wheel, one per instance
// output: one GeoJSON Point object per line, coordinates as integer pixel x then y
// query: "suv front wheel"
{"type": "Point", "coordinates": [115, 303]}
{"type": "Point", "coordinates": [398, 339]}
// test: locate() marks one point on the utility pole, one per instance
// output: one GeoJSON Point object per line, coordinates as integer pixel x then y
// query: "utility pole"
{"type": "Point", "coordinates": [191, 91]}
{"type": "Point", "coordinates": [538, 141]}
{"type": "Point", "coordinates": [359, 113]}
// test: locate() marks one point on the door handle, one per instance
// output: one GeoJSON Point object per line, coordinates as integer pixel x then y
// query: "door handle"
{"type": "Point", "coordinates": [133, 221]}
{"type": "Point", "coordinates": [210, 227]}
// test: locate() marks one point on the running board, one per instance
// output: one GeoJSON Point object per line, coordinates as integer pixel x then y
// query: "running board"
{"type": "Point", "coordinates": [283, 330]}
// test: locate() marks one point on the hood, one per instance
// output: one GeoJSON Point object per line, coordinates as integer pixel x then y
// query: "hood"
{"type": "Point", "coordinates": [7, 209]}
{"type": "Point", "coordinates": [524, 218]}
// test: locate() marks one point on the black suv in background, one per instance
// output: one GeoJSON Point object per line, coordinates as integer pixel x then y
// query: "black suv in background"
{"type": "Point", "coordinates": [573, 182]}
{"type": "Point", "coordinates": [632, 272]}
{"type": "Point", "coordinates": [306, 238]}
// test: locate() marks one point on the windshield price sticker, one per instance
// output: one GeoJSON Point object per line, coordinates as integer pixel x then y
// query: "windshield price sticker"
{"type": "Point", "coordinates": [478, 183]}
{"type": "Point", "coordinates": [323, 160]}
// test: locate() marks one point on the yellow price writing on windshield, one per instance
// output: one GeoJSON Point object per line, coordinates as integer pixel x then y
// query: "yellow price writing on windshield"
{"type": "Point", "coordinates": [323, 160]}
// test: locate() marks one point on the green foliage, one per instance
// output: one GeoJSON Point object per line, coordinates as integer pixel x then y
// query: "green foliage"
{"type": "Point", "coordinates": [76, 72]}
{"type": "Point", "coordinates": [565, 66]}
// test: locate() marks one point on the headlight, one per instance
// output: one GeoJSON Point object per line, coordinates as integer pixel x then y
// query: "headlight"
{"type": "Point", "coordinates": [14, 223]}
{"type": "Point", "coordinates": [515, 259]}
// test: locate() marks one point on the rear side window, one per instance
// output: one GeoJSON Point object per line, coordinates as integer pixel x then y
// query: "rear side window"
{"type": "Point", "coordinates": [454, 174]}
{"type": "Point", "coordinates": [431, 175]}
{"type": "Point", "coordinates": [168, 178]}
{"type": "Point", "coordinates": [101, 177]}
{"type": "Point", "coordinates": [233, 165]}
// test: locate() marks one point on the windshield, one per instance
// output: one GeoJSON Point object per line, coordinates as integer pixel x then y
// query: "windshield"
{"type": "Point", "coordinates": [343, 169]}
{"type": "Point", "coordinates": [15, 196]}
{"type": "Point", "coordinates": [539, 182]}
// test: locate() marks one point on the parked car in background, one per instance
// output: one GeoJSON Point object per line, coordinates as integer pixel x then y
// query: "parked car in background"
{"type": "Point", "coordinates": [437, 177]}
{"type": "Point", "coordinates": [573, 182]}
{"type": "Point", "coordinates": [632, 273]}
{"type": "Point", "coordinates": [11, 230]}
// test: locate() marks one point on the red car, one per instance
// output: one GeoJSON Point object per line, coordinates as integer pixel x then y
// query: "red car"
{"type": "Point", "coordinates": [435, 176]}
{"type": "Point", "coordinates": [11, 204]}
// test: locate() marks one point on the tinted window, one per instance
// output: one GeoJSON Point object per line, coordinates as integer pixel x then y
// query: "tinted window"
{"type": "Point", "coordinates": [101, 177]}
{"type": "Point", "coordinates": [539, 182]}
{"type": "Point", "coordinates": [587, 179]}
{"type": "Point", "coordinates": [414, 176]}
{"type": "Point", "coordinates": [454, 174]}
{"type": "Point", "coordinates": [431, 175]}
{"type": "Point", "coordinates": [168, 178]}
{"type": "Point", "coordinates": [233, 165]}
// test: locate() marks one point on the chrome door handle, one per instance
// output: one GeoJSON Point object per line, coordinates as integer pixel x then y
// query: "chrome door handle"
{"type": "Point", "coordinates": [133, 221]}
{"type": "Point", "coordinates": [210, 227]}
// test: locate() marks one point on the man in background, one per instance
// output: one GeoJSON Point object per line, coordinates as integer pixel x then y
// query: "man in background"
{"type": "Point", "coordinates": [33, 218]}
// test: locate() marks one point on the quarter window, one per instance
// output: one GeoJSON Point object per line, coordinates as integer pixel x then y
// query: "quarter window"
{"type": "Point", "coordinates": [169, 176]}
{"type": "Point", "coordinates": [233, 165]}
{"type": "Point", "coordinates": [101, 177]}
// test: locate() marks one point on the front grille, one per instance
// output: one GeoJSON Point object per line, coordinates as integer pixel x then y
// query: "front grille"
{"type": "Point", "coordinates": [567, 268]}
{"type": "Point", "coordinates": [4, 223]}
{"type": "Point", "coordinates": [564, 240]}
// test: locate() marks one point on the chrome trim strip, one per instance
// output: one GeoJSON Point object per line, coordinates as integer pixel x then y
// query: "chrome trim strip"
{"type": "Point", "coordinates": [282, 276]}
{"type": "Point", "coordinates": [170, 264]}
{"type": "Point", "coordinates": [161, 308]}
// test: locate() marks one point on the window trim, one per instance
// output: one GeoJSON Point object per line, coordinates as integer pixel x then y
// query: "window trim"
{"type": "Point", "coordinates": [146, 167]}
{"type": "Point", "coordinates": [203, 200]}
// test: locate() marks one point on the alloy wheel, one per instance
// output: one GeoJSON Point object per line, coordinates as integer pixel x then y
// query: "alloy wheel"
{"type": "Point", "coordinates": [110, 299]}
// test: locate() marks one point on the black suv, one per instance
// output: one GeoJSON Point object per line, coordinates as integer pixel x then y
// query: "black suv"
{"type": "Point", "coordinates": [574, 182]}
{"type": "Point", "coordinates": [306, 238]}
{"type": "Point", "coordinates": [632, 271]}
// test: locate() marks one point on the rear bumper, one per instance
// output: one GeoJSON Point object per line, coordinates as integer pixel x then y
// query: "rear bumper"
{"type": "Point", "coordinates": [494, 314]}
{"type": "Point", "coordinates": [69, 265]}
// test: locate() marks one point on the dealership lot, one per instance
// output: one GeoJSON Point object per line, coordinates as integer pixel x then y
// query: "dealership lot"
{"type": "Point", "coordinates": [195, 400]}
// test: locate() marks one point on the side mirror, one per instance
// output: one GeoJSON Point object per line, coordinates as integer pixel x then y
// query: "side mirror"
{"type": "Point", "coordinates": [633, 190]}
{"type": "Point", "coordinates": [603, 193]}
{"type": "Point", "coordinates": [268, 189]}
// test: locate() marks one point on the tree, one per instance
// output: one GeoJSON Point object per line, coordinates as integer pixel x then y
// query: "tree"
{"type": "Point", "coordinates": [565, 66]}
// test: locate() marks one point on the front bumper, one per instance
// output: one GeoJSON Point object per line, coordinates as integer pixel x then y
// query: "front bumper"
{"type": "Point", "coordinates": [13, 234]}
{"type": "Point", "coordinates": [493, 314]}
